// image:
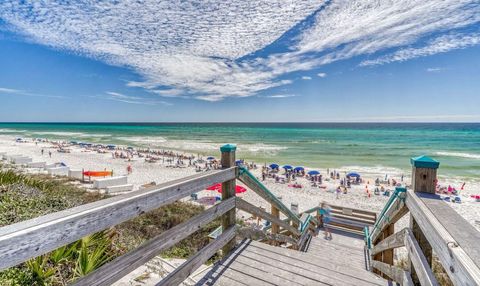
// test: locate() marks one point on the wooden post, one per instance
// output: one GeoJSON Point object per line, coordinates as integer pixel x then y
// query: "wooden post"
{"type": "Point", "coordinates": [275, 213]}
{"type": "Point", "coordinates": [294, 209]}
{"type": "Point", "coordinates": [228, 191]}
{"type": "Point", "coordinates": [424, 180]}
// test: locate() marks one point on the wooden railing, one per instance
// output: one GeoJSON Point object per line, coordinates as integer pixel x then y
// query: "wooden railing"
{"type": "Point", "coordinates": [28, 239]}
{"type": "Point", "coordinates": [435, 228]}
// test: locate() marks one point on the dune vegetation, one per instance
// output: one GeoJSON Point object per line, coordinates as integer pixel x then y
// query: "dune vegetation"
{"type": "Point", "coordinates": [25, 196]}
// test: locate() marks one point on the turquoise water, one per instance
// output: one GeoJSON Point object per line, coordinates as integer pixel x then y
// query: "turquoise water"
{"type": "Point", "coordinates": [323, 145]}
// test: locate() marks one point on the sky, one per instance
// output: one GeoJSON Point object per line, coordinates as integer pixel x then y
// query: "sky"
{"type": "Point", "coordinates": [242, 61]}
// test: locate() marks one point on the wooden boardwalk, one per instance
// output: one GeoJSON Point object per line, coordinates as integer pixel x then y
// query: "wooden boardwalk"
{"type": "Point", "coordinates": [340, 261]}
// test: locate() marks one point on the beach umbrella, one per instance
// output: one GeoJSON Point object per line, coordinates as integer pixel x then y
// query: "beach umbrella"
{"type": "Point", "coordinates": [297, 169]}
{"type": "Point", "coordinates": [313, 173]}
{"type": "Point", "coordinates": [353, 174]}
{"type": "Point", "coordinates": [218, 188]}
{"type": "Point", "coordinates": [273, 166]}
{"type": "Point", "coordinates": [210, 158]}
{"type": "Point", "coordinates": [287, 167]}
{"type": "Point", "coordinates": [238, 162]}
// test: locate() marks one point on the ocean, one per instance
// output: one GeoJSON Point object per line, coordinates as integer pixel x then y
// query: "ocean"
{"type": "Point", "coordinates": [368, 147]}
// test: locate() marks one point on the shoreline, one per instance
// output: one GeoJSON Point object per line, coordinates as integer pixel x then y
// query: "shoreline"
{"type": "Point", "coordinates": [306, 197]}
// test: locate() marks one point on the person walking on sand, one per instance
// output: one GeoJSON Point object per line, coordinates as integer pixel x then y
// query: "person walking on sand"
{"type": "Point", "coordinates": [42, 152]}
{"type": "Point", "coordinates": [323, 216]}
{"type": "Point", "coordinates": [129, 169]}
{"type": "Point", "coordinates": [50, 154]}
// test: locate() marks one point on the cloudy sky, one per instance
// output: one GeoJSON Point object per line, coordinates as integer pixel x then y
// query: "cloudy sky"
{"type": "Point", "coordinates": [272, 60]}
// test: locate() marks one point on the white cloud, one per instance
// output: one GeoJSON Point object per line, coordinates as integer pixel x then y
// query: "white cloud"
{"type": "Point", "coordinates": [434, 69]}
{"type": "Point", "coordinates": [204, 49]}
{"type": "Point", "coordinates": [18, 92]}
{"type": "Point", "coordinates": [115, 96]}
{"type": "Point", "coordinates": [306, 77]}
{"type": "Point", "coordinates": [321, 74]}
{"type": "Point", "coordinates": [281, 95]}
{"type": "Point", "coordinates": [440, 44]}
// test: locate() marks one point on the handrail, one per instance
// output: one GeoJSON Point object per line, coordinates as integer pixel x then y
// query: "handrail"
{"type": "Point", "coordinates": [391, 200]}
{"type": "Point", "coordinates": [24, 240]}
{"type": "Point", "coordinates": [121, 266]}
{"type": "Point", "coordinates": [251, 181]}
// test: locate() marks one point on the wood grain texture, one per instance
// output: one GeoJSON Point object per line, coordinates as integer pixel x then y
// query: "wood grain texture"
{"type": "Point", "coordinates": [22, 241]}
{"type": "Point", "coordinates": [422, 268]}
{"type": "Point", "coordinates": [187, 268]}
{"type": "Point", "coordinates": [395, 273]}
{"type": "Point", "coordinates": [121, 266]}
{"type": "Point", "coordinates": [461, 269]}
{"type": "Point", "coordinates": [393, 241]}
{"type": "Point", "coordinates": [245, 206]}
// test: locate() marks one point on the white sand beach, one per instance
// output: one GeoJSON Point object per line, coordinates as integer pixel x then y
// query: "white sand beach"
{"type": "Point", "coordinates": [161, 171]}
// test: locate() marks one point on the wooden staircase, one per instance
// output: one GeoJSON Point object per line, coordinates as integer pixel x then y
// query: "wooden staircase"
{"type": "Point", "coordinates": [340, 261]}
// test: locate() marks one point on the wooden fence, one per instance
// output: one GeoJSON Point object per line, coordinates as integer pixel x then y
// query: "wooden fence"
{"type": "Point", "coordinates": [435, 229]}
{"type": "Point", "coordinates": [28, 239]}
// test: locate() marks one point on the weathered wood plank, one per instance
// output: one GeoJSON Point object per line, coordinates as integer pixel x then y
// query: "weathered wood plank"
{"type": "Point", "coordinates": [121, 266]}
{"type": "Point", "coordinates": [392, 215]}
{"type": "Point", "coordinates": [393, 241]}
{"type": "Point", "coordinates": [187, 268]}
{"type": "Point", "coordinates": [245, 206]}
{"type": "Point", "coordinates": [22, 241]}
{"type": "Point", "coordinates": [228, 191]}
{"type": "Point", "coordinates": [257, 234]}
{"type": "Point", "coordinates": [395, 273]}
{"type": "Point", "coordinates": [420, 264]}
{"type": "Point", "coordinates": [460, 229]}
{"type": "Point", "coordinates": [250, 181]}
{"type": "Point", "coordinates": [460, 267]}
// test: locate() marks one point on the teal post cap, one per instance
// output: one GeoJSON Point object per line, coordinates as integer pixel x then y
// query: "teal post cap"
{"type": "Point", "coordinates": [400, 189]}
{"type": "Point", "coordinates": [228, 148]}
{"type": "Point", "coordinates": [424, 162]}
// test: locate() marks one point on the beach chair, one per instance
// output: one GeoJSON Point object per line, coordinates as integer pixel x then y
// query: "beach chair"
{"type": "Point", "coordinates": [458, 199]}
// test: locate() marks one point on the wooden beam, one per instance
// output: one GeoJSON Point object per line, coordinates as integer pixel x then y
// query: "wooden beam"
{"type": "Point", "coordinates": [396, 211]}
{"type": "Point", "coordinates": [459, 266]}
{"type": "Point", "coordinates": [257, 234]}
{"type": "Point", "coordinates": [24, 240]}
{"type": "Point", "coordinates": [121, 266]}
{"type": "Point", "coordinates": [228, 191]}
{"type": "Point", "coordinates": [251, 182]}
{"type": "Point", "coordinates": [245, 206]}
{"type": "Point", "coordinates": [420, 264]}
{"type": "Point", "coordinates": [188, 267]}
{"type": "Point", "coordinates": [395, 273]}
{"type": "Point", "coordinates": [393, 241]}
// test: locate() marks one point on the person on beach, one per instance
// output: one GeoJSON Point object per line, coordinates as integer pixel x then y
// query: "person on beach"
{"type": "Point", "coordinates": [323, 216]}
{"type": "Point", "coordinates": [50, 154]}
{"type": "Point", "coordinates": [129, 169]}
{"type": "Point", "coordinates": [42, 152]}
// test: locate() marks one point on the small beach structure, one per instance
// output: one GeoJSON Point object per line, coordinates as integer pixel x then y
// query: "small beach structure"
{"type": "Point", "coordinates": [103, 183]}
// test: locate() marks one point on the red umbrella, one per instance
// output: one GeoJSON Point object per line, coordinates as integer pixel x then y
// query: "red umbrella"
{"type": "Point", "coordinates": [218, 188]}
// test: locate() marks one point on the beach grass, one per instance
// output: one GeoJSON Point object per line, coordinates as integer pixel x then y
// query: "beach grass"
{"type": "Point", "coordinates": [26, 196]}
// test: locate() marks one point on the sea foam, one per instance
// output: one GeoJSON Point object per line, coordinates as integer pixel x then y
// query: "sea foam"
{"type": "Point", "coordinates": [459, 154]}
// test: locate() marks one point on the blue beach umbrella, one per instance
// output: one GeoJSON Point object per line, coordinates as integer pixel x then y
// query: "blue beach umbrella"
{"type": "Point", "coordinates": [287, 167]}
{"type": "Point", "coordinates": [239, 162]}
{"type": "Point", "coordinates": [273, 166]}
{"type": "Point", "coordinates": [210, 158]}
{"type": "Point", "coordinates": [313, 173]}
{"type": "Point", "coordinates": [297, 169]}
{"type": "Point", "coordinates": [353, 174]}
